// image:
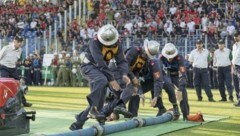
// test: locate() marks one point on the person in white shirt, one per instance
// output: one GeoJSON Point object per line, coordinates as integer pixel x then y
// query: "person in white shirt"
{"type": "Point", "coordinates": [129, 26]}
{"type": "Point", "coordinates": [236, 64]}
{"type": "Point", "coordinates": [204, 20]}
{"type": "Point", "coordinates": [230, 29]}
{"type": "Point", "coordinates": [172, 10]}
{"type": "Point", "coordinates": [199, 60]}
{"type": "Point", "coordinates": [222, 61]}
{"type": "Point", "coordinates": [191, 26]}
{"type": "Point", "coordinates": [9, 55]}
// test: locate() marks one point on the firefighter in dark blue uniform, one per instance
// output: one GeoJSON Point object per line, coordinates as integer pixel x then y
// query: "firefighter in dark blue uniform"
{"type": "Point", "coordinates": [140, 59]}
{"type": "Point", "coordinates": [175, 74]}
{"type": "Point", "coordinates": [145, 67]}
{"type": "Point", "coordinates": [94, 66]}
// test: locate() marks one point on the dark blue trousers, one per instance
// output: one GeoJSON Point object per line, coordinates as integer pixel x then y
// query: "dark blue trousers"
{"type": "Point", "coordinates": [236, 85]}
{"type": "Point", "coordinates": [146, 86]}
{"type": "Point", "coordinates": [98, 84]}
{"type": "Point", "coordinates": [174, 80]}
{"type": "Point", "coordinates": [28, 76]}
{"type": "Point", "coordinates": [225, 78]}
{"type": "Point", "coordinates": [237, 79]}
{"type": "Point", "coordinates": [37, 76]}
{"type": "Point", "coordinates": [201, 80]}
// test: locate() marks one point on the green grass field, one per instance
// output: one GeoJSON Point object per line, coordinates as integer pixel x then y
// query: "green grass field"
{"type": "Point", "coordinates": [73, 99]}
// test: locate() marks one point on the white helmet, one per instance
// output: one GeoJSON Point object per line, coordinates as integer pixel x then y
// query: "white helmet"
{"type": "Point", "coordinates": [169, 51]}
{"type": "Point", "coordinates": [151, 48]}
{"type": "Point", "coordinates": [108, 35]}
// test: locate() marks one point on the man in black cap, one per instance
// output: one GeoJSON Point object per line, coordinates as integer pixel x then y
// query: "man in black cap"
{"type": "Point", "coordinates": [222, 61]}
{"type": "Point", "coordinates": [9, 55]}
{"type": "Point", "coordinates": [199, 58]}
{"type": "Point", "coordinates": [236, 63]}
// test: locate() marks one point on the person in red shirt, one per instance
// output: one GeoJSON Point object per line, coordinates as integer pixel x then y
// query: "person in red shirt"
{"type": "Point", "coordinates": [211, 30]}
{"type": "Point", "coordinates": [186, 11]}
{"type": "Point", "coordinates": [178, 18]}
{"type": "Point", "coordinates": [194, 12]}
{"type": "Point", "coordinates": [74, 24]}
{"type": "Point", "coordinates": [104, 2]}
{"type": "Point", "coordinates": [90, 22]}
{"type": "Point", "coordinates": [102, 15]}
{"type": "Point", "coordinates": [161, 13]}
{"type": "Point", "coordinates": [187, 19]}
{"type": "Point", "coordinates": [197, 21]}
{"type": "Point", "coordinates": [177, 13]}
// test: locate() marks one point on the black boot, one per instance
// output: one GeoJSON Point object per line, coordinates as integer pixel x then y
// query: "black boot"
{"type": "Point", "coordinates": [176, 112]}
{"type": "Point", "coordinates": [93, 113]}
{"type": "Point", "coordinates": [211, 100]}
{"type": "Point", "coordinates": [27, 104]}
{"type": "Point", "coordinates": [223, 100]}
{"type": "Point", "coordinates": [231, 99]}
{"type": "Point", "coordinates": [161, 111]}
{"type": "Point", "coordinates": [76, 125]}
{"type": "Point", "coordinates": [120, 109]}
{"type": "Point", "coordinates": [200, 99]}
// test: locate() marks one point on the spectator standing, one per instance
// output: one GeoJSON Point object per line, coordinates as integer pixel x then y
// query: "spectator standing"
{"type": "Point", "coordinates": [236, 61]}
{"type": "Point", "coordinates": [230, 28]}
{"type": "Point", "coordinates": [61, 76]}
{"type": "Point", "coordinates": [222, 61]}
{"type": "Point", "coordinates": [36, 65]}
{"type": "Point", "coordinates": [27, 63]}
{"type": "Point", "coordinates": [76, 76]}
{"type": "Point", "coordinates": [54, 66]}
{"type": "Point", "coordinates": [68, 70]}
{"type": "Point", "coordinates": [199, 60]}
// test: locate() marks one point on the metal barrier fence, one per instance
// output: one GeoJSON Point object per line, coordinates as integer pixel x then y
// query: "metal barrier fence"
{"type": "Point", "coordinates": [184, 44]}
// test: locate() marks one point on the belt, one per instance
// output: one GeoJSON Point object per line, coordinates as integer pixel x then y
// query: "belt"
{"type": "Point", "coordinates": [54, 66]}
{"type": "Point", "coordinates": [200, 68]}
{"type": "Point", "coordinates": [223, 66]}
{"type": "Point", "coordinates": [27, 68]}
{"type": "Point", "coordinates": [62, 66]}
{"type": "Point", "coordinates": [36, 69]}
